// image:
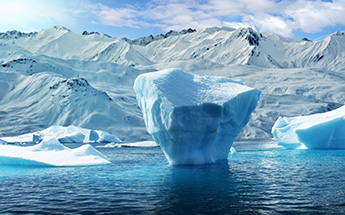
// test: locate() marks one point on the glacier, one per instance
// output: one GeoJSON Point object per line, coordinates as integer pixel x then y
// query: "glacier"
{"type": "Point", "coordinates": [64, 134]}
{"type": "Point", "coordinates": [50, 152]}
{"type": "Point", "coordinates": [194, 119]}
{"type": "Point", "coordinates": [316, 131]}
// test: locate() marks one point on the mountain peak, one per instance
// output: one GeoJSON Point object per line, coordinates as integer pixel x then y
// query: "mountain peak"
{"type": "Point", "coordinates": [72, 83]}
{"type": "Point", "coordinates": [86, 33]}
{"type": "Point", "coordinates": [306, 39]}
{"type": "Point", "coordinates": [89, 33]}
{"type": "Point", "coordinates": [61, 28]}
{"type": "Point", "coordinates": [249, 34]}
{"type": "Point", "coordinates": [338, 33]}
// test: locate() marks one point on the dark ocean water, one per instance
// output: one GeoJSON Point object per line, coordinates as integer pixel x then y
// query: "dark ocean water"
{"type": "Point", "coordinates": [258, 179]}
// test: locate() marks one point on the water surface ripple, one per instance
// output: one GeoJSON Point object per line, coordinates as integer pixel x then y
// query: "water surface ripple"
{"type": "Point", "coordinates": [258, 179]}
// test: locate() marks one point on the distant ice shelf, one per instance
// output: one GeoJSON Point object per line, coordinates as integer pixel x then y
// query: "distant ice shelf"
{"type": "Point", "coordinates": [317, 131]}
{"type": "Point", "coordinates": [141, 144]}
{"type": "Point", "coordinates": [50, 152]}
{"type": "Point", "coordinates": [194, 119]}
{"type": "Point", "coordinates": [69, 134]}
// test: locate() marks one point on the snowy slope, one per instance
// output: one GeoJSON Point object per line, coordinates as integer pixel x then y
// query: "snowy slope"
{"type": "Point", "coordinates": [58, 77]}
{"type": "Point", "coordinates": [286, 92]}
{"type": "Point", "coordinates": [59, 42]}
{"type": "Point", "coordinates": [223, 46]}
{"type": "Point", "coordinates": [247, 47]}
{"type": "Point", "coordinates": [31, 103]}
{"type": "Point", "coordinates": [276, 51]}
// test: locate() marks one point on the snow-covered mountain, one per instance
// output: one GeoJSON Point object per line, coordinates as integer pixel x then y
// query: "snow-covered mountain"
{"type": "Point", "coordinates": [44, 99]}
{"type": "Point", "coordinates": [222, 46]}
{"type": "Point", "coordinates": [247, 47]}
{"type": "Point", "coordinates": [58, 77]}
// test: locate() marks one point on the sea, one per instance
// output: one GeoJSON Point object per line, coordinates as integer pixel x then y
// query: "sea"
{"type": "Point", "coordinates": [259, 178]}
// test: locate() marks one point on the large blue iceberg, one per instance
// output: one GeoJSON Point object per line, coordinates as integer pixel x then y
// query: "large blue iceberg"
{"type": "Point", "coordinates": [194, 119]}
{"type": "Point", "coordinates": [317, 131]}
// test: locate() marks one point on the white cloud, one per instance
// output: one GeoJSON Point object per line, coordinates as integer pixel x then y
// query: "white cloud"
{"type": "Point", "coordinates": [283, 17]}
{"type": "Point", "coordinates": [224, 7]}
{"type": "Point", "coordinates": [269, 23]}
{"type": "Point", "coordinates": [177, 15]}
{"type": "Point", "coordinates": [313, 16]}
{"type": "Point", "coordinates": [239, 25]}
{"type": "Point", "coordinates": [30, 15]}
{"type": "Point", "coordinates": [234, 8]}
{"type": "Point", "coordinates": [116, 16]}
{"type": "Point", "coordinates": [261, 6]}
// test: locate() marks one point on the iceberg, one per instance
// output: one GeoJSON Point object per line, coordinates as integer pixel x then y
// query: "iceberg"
{"type": "Point", "coordinates": [317, 131]}
{"type": "Point", "coordinates": [69, 134]}
{"type": "Point", "coordinates": [50, 152]}
{"type": "Point", "coordinates": [194, 119]}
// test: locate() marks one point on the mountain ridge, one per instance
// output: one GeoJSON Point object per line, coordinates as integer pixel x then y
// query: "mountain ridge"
{"type": "Point", "coordinates": [218, 45]}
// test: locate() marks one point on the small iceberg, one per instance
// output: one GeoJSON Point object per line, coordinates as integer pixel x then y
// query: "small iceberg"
{"type": "Point", "coordinates": [69, 134]}
{"type": "Point", "coordinates": [317, 131]}
{"type": "Point", "coordinates": [50, 152]}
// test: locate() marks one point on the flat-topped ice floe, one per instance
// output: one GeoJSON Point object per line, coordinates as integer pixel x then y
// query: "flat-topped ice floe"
{"type": "Point", "coordinates": [50, 152]}
{"type": "Point", "coordinates": [194, 119]}
{"type": "Point", "coordinates": [141, 144]}
{"type": "Point", "coordinates": [317, 131]}
{"type": "Point", "coordinates": [69, 134]}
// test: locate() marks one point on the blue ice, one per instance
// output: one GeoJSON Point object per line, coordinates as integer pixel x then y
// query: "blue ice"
{"type": "Point", "coordinates": [194, 119]}
{"type": "Point", "coordinates": [317, 131]}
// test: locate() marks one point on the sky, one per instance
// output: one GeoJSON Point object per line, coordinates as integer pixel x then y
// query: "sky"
{"type": "Point", "coordinates": [313, 19]}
